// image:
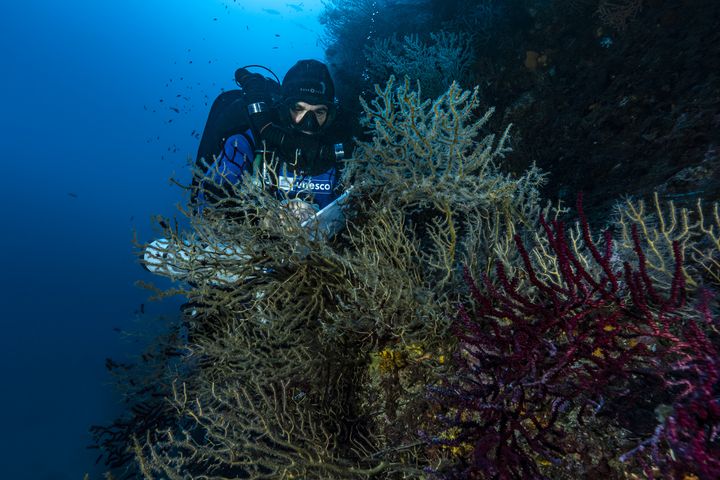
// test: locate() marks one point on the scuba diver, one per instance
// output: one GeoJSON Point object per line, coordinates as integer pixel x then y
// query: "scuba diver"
{"type": "Point", "coordinates": [292, 129]}
{"type": "Point", "coordinates": [297, 121]}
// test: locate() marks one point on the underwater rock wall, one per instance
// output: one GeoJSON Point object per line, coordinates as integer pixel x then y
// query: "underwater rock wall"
{"type": "Point", "coordinates": [610, 98]}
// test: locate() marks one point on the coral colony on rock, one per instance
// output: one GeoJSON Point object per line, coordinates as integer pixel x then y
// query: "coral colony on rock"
{"type": "Point", "coordinates": [459, 325]}
{"type": "Point", "coordinates": [337, 357]}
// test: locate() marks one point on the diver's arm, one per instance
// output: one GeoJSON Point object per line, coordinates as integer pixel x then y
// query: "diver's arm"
{"type": "Point", "coordinates": [227, 169]}
{"type": "Point", "coordinates": [228, 116]}
{"type": "Point", "coordinates": [235, 159]}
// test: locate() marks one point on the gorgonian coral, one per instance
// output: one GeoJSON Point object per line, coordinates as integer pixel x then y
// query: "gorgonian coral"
{"type": "Point", "coordinates": [535, 362]}
{"type": "Point", "coordinates": [445, 59]}
{"type": "Point", "coordinates": [285, 322]}
{"type": "Point", "coordinates": [686, 442]}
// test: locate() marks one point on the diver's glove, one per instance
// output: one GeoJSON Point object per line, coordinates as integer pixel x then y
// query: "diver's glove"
{"type": "Point", "coordinates": [310, 154]}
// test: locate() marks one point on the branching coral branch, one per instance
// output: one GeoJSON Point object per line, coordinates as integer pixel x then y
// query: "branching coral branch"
{"type": "Point", "coordinates": [659, 227]}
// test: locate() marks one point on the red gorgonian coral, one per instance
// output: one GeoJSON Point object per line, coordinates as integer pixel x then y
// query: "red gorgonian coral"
{"type": "Point", "coordinates": [530, 357]}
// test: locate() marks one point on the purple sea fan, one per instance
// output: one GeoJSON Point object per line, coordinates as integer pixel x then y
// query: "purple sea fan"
{"type": "Point", "coordinates": [691, 431]}
{"type": "Point", "coordinates": [528, 358]}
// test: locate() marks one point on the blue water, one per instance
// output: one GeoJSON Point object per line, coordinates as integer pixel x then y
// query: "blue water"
{"type": "Point", "coordinates": [87, 149]}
